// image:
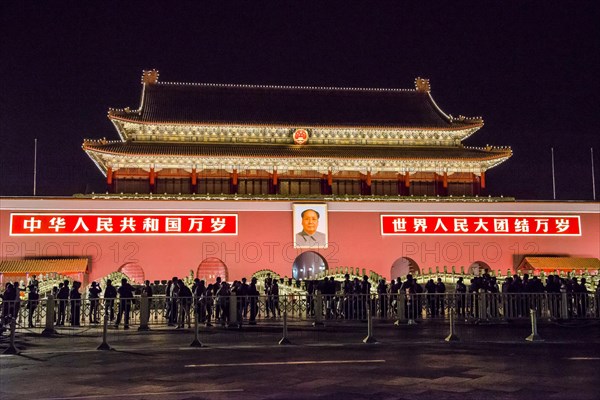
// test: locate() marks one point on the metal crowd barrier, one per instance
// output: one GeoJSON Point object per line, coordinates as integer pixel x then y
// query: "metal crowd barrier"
{"type": "Point", "coordinates": [161, 310]}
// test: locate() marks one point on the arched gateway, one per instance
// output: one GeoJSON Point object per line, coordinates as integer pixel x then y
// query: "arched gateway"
{"type": "Point", "coordinates": [210, 268]}
{"type": "Point", "coordinates": [479, 268]}
{"type": "Point", "coordinates": [134, 271]}
{"type": "Point", "coordinates": [404, 266]}
{"type": "Point", "coordinates": [308, 264]}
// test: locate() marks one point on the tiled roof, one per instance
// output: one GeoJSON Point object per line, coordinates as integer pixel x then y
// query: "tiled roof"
{"type": "Point", "coordinates": [560, 263]}
{"type": "Point", "coordinates": [44, 266]}
{"type": "Point", "coordinates": [289, 106]}
{"type": "Point", "coordinates": [294, 151]}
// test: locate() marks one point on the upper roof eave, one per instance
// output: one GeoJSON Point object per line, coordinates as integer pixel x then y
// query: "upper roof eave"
{"type": "Point", "coordinates": [295, 151]}
{"type": "Point", "coordinates": [477, 123]}
{"type": "Point", "coordinates": [181, 103]}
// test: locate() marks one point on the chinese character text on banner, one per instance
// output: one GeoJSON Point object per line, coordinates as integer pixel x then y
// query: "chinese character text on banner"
{"type": "Point", "coordinates": [52, 224]}
{"type": "Point", "coordinates": [488, 225]}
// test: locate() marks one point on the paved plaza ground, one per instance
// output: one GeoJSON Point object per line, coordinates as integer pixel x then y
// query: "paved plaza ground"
{"type": "Point", "coordinates": [330, 362]}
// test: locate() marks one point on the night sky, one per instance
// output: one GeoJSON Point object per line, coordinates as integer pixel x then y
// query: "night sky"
{"type": "Point", "coordinates": [530, 69]}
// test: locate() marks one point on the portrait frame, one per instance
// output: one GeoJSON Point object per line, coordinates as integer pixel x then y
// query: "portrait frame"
{"type": "Point", "coordinates": [301, 240]}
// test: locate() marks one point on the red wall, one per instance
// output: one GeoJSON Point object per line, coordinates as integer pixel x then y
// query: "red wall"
{"type": "Point", "coordinates": [265, 238]}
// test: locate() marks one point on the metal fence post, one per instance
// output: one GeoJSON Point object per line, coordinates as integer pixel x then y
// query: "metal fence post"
{"type": "Point", "coordinates": [318, 299]}
{"type": "Point", "coordinates": [534, 337]}
{"type": "Point", "coordinates": [104, 345]}
{"type": "Point", "coordinates": [12, 349]}
{"type": "Point", "coordinates": [196, 342]}
{"type": "Point", "coordinates": [370, 338]}
{"type": "Point", "coordinates": [452, 337]}
{"type": "Point", "coordinates": [144, 312]}
{"type": "Point", "coordinates": [49, 329]}
{"type": "Point", "coordinates": [284, 339]}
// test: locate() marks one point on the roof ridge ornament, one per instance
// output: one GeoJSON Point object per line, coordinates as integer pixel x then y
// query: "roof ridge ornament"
{"type": "Point", "coordinates": [150, 77]}
{"type": "Point", "coordinates": [422, 85]}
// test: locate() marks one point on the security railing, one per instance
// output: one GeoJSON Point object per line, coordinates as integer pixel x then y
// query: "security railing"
{"type": "Point", "coordinates": [231, 310]}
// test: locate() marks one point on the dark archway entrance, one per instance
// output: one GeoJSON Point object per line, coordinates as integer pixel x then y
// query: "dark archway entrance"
{"type": "Point", "coordinates": [210, 268]}
{"type": "Point", "coordinates": [479, 268]}
{"type": "Point", "coordinates": [134, 271]}
{"type": "Point", "coordinates": [404, 266]}
{"type": "Point", "coordinates": [308, 264]}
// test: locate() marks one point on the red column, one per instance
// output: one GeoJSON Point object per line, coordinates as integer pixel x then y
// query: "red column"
{"type": "Point", "coordinates": [109, 180]}
{"type": "Point", "coordinates": [194, 179]}
{"type": "Point", "coordinates": [445, 184]}
{"type": "Point", "coordinates": [369, 178]}
{"type": "Point", "coordinates": [483, 179]}
{"type": "Point", "coordinates": [234, 181]}
{"type": "Point", "coordinates": [151, 178]}
{"type": "Point", "coordinates": [329, 178]}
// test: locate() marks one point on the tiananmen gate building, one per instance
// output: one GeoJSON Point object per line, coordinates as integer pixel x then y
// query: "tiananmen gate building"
{"type": "Point", "coordinates": [231, 179]}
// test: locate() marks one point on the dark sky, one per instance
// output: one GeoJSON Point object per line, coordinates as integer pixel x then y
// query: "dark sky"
{"type": "Point", "coordinates": [529, 68]}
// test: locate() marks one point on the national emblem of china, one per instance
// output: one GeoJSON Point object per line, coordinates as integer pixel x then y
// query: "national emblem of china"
{"type": "Point", "coordinates": [300, 136]}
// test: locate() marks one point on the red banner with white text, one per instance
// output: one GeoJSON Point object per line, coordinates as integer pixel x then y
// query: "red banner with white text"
{"type": "Point", "coordinates": [487, 225]}
{"type": "Point", "coordinates": [56, 224]}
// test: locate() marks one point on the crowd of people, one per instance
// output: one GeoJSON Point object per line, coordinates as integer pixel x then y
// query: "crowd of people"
{"type": "Point", "coordinates": [347, 299]}
{"type": "Point", "coordinates": [68, 306]}
{"type": "Point", "coordinates": [213, 302]}
{"type": "Point", "coordinates": [519, 295]}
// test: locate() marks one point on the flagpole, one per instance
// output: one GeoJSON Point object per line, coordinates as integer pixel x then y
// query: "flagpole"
{"type": "Point", "coordinates": [593, 177]}
{"type": "Point", "coordinates": [553, 178]}
{"type": "Point", "coordinates": [35, 167]}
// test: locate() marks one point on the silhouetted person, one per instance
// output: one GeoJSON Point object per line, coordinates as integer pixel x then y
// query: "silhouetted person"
{"type": "Point", "coordinates": [440, 290]}
{"type": "Point", "coordinates": [432, 303]}
{"type": "Point", "coordinates": [172, 290]}
{"type": "Point", "coordinates": [275, 298]}
{"type": "Point", "coordinates": [382, 293]}
{"type": "Point", "coordinates": [147, 289]}
{"type": "Point", "coordinates": [32, 303]}
{"type": "Point", "coordinates": [253, 299]}
{"type": "Point", "coordinates": [216, 287]}
{"type": "Point", "coordinates": [125, 298]}
{"type": "Point", "coordinates": [198, 292]}
{"type": "Point", "coordinates": [184, 295]}
{"type": "Point", "coordinates": [110, 294]}
{"type": "Point", "coordinates": [63, 299]}
{"type": "Point", "coordinates": [8, 303]}
{"type": "Point", "coordinates": [94, 295]}
{"type": "Point", "coordinates": [207, 302]}
{"type": "Point", "coordinates": [223, 295]}
{"type": "Point", "coordinates": [75, 297]}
